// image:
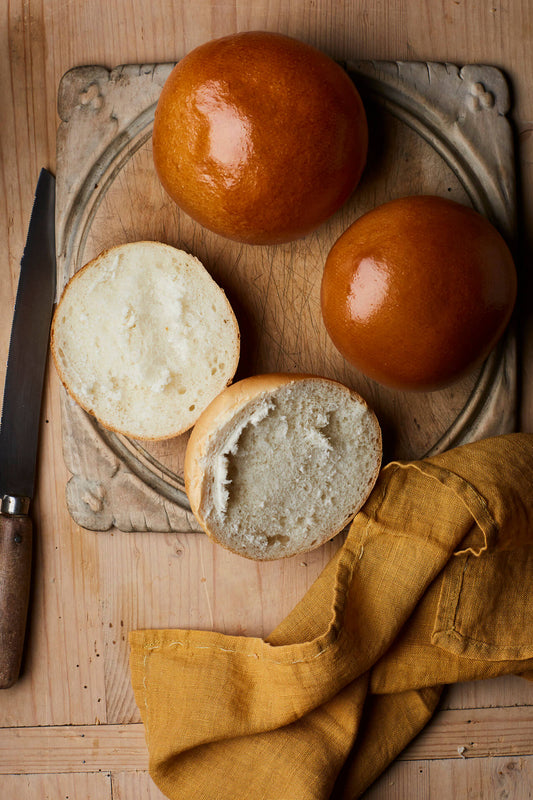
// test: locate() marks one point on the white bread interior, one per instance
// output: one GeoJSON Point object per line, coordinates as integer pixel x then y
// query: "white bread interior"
{"type": "Point", "coordinates": [144, 339]}
{"type": "Point", "coordinates": [279, 464]}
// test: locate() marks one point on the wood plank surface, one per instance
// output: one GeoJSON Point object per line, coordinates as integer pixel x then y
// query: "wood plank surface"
{"type": "Point", "coordinates": [466, 733]}
{"type": "Point", "coordinates": [90, 589]}
{"type": "Point", "coordinates": [78, 786]}
{"type": "Point", "coordinates": [476, 779]}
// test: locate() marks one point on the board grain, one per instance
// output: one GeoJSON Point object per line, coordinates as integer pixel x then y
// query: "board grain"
{"type": "Point", "coordinates": [435, 129]}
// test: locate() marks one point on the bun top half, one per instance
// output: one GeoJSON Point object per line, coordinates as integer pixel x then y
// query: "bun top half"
{"type": "Point", "coordinates": [144, 339]}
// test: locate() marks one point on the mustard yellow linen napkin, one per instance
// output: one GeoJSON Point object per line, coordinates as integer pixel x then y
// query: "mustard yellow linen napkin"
{"type": "Point", "coordinates": [432, 586]}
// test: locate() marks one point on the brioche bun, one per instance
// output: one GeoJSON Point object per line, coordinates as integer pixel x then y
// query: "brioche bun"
{"type": "Point", "coordinates": [418, 291]}
{"type": "Point", "coordinates": [143, 339]}
{"type": "Point", "coordinates": [278, 464]}
{"type": "Point", "coordinates": [259, 137]}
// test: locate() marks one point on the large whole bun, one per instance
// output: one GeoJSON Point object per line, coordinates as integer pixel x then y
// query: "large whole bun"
{"type": "Point", "coordinates": [418, 291]}
{"type": "Point", "coordinates": [259, 137]}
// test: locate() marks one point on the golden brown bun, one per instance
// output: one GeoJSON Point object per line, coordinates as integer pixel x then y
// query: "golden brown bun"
{"type": "Point", "coordinates": [259, 137]}
{"type": "Point", "coordinates": [278, 464]}
{"type": "Point", "coordinates": [418, 291]}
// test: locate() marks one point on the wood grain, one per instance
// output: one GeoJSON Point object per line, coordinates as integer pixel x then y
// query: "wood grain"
{"type": "Point", "coordinates": [139, 785]}
{"type": "Point", "coordinates": [78, 786]}
{"type": "Point", "coordinates": [472, 733]}
{"type": "Point", "coordinates": [483, 779]}
{"type": "Point", "coordinates": [88, 591]}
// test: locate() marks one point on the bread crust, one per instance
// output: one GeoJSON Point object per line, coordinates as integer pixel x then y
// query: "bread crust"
{"type": "Point", "coordinates": [222, 410]}
{"type": "Point", "coordinates": [101, 257]}
{"type": "Point", "coordinates": [259, 137]}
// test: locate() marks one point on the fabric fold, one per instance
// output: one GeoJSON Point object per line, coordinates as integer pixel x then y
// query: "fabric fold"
{"type": "Point", "coordinates": [405, 607]}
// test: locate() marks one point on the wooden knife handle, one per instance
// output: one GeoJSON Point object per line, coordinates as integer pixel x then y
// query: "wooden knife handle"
{"type": "Point", "coordinates": [15, 573]}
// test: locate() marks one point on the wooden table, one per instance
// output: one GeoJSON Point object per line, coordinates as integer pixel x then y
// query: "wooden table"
{"type": "Point", "coordinates": [70, 727]}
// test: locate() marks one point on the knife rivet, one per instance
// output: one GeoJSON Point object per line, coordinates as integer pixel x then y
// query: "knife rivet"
{"type": "Point", "coordinates": [18, 539]}
{"type": "Point", "coordinates": [14, 505]}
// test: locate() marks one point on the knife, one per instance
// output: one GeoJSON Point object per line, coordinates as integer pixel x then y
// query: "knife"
{"type": "Point", "coordinates": [19, 424]}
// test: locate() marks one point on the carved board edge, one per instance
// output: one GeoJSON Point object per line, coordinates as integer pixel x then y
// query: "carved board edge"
{"type": "Point", "coordinates": [104, 104]}
{"type": "Point", "coordinates": [102, 492]}
{"type": "Point", "coordinates": [462, 112]}
{"type": "Point", "coordinates": [97, 107]}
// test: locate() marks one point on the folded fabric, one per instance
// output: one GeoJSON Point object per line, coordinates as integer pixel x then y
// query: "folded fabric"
{"type": "Point", "coordinates": [432, 586]}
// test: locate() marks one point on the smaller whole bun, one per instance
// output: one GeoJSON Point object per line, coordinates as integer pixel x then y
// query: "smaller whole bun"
{"type": "Point", "coordinates": [259, 137]}
{"type": "Point", "coordinates": [418, 291]}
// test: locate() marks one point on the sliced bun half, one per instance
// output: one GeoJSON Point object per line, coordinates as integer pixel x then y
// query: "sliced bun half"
{"type": "Point", "coordinates": [279, 464]}
{"type": "Point", "coordinates": [144, 339]}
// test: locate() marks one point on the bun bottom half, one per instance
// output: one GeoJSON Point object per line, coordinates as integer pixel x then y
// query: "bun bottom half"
{"type": "Point", "coordinates": [279, 464]}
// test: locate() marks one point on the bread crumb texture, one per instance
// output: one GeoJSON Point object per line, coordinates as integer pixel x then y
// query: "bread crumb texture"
{"type": "Point", "coordinates": [144, 339]}
{"type": "Point", "coordinates": [290, 470]}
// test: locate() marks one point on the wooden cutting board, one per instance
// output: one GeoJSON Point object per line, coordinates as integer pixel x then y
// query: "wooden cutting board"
{"type": "Point", "coordinates": [434, 129]}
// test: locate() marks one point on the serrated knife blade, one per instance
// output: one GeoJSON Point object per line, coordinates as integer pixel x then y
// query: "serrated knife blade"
{"type": "Point", "coordinates": [19, 423]}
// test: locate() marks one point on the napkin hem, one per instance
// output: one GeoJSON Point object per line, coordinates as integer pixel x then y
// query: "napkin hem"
{"type": "Point", "coordinates": [447, 633]}
{"type": "Point", "coordinates": [151, 640]}
{"type": "Point", "coordinates": [473, 501]}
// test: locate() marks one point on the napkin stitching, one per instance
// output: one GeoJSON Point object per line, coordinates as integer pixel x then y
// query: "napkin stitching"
{"type": "Point", "coordinates": [145, 689]}
{"type": "Point", "coordinates": [429, 471]}
{"type": "Point", "coordinates": [469, 497]}
{"type": "Point", "coordinates": [455, 627]}
{"type": "Point", "coordinates": [160, 645]}
{"type": "Point", "coordinates": [145, 676]}
{"type": "Point", "coordinates": [354, 558]}
{"type": "Point", "coordinates": [467, 638]}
